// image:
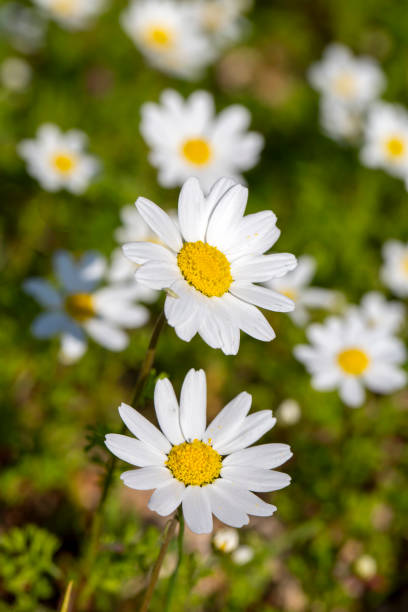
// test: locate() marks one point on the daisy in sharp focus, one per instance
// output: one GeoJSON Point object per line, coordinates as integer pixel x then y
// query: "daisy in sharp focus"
{"type": "Point", "coordinates": [380, 314]}
{"type": "Point", "coordinates": [187, 139]}
{"type": "Point", "coordinates": [295, 285]}
{"type": "Point", "coordinates": [72, 14]}
{"type": "Point", "coordinates": [386, 139]}
{"type": "Point", "coordinates": [394, 272]}
{"type": "Point", "coordinates": [170, 36]}
{"type": "Point", "coordinates": [346, 354]}
{"type": "Point", "coordinates": [353, 81]}
{"type": "Point", "coordinates": [208, 470]}
{"type": "Point", "coordinates": [210, 264]}
{"type": "Point", "coordinates": [57, 160]}
{"type": "Point", "coordinates": [77, 309]}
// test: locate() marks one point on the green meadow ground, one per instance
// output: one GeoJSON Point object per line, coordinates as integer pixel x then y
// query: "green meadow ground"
{"type": "Point", "coordinates": [349, 494]}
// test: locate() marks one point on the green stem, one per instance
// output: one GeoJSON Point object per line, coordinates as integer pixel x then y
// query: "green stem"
{"type": "Point", "coordinates": [96, 526]}
{"type": "Point", "coordinates": [171, 527]}
{"type": "Point", "coordinates": [173, 578]}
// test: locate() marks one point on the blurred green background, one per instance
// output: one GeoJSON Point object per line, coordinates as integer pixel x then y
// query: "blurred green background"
{"type": "Point", "coordinates": [349, 495]}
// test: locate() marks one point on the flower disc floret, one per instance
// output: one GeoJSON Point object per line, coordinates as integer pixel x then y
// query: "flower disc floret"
{"type": "Point", "coordinates": [197, 151]}
{"type": "Point", "coordinates": [353, 361]}
{"type": "Point", "coordinates": [194, 463]}
{"type": "Point", "coordinates": [64, 162]}
{"type": "Point", "coordinates": [395, 147]}
{"type": "Point", "coordinates": [159, 37]}
{"type": "Point", "coordinates": [205, 268]}
{"type": "Point", "coordinates": [80, 306]}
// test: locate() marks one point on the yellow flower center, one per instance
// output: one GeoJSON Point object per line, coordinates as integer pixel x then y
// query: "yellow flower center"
{"type": "Point", "coordinates": [345, 85]}
{"type": "Point", "coordinates": [64, 162]}
{"type": "Point", "coordinates": [197, 151]}
{"type": "Point", "coordinates": [159, 37]}
{"type": "Point", "coordinates": [353, 361]}
{"type": "Point", "coordinates": [194, 463]}
{"type": "Point", "coordinates": [64, 7]}
{"type": "Point", "coordinates": [80, 306]}
{"type": "Point", "coordinates": [292, 294]}
{"type": "Point", "coordinates": [405, 265]}
{"type": "Point", "coordinates": [205, 267]}
{"type": "Point", "coordinates": [395, 147]}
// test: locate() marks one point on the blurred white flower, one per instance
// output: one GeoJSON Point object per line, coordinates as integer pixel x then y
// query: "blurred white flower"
{"type": "Point", "coordinates": [188, 139]}
{"type": "Point", "coordinates": [347, 354]}
{"type": "Point", "coordinates": [295, 286]}
{"type": "Point", "coordinates": [221, 19]}
{"type": "Point", "coordinates": [57, 160]}
{"type": "Point", "coordinates": [394, 272]}
{"type": "Point", "coordinates": [353, 81]}
{"type": "Point", "coordinates": [340, 121]}
{"type": "Point", "coordinates": [211, 262]}
{"type": "Point", "coordinates": [77, 308]}
{"type": "Point", "coordinates": [386, 139]}
{"type": "Point", "coordinates": [288, 412]}
{"type": "Point", "coordinates": [243, 555]}
{"type": "Point", "coordinates": [366, 567]}
{"type": "Point", "coordinates": [207, 470]}
{"type": "Point", "coordinates": [380, 314]}
{"type": "Point", "coordinates": [226, 540]}
{"type": "Point", "coordinates": [72, 14]}
{"type": "Point", "coordinates": [15, 74]}
{"type": "Point", "coordinates": [22, 26]}
{"type": "Point", "coordinates": [169, 34]}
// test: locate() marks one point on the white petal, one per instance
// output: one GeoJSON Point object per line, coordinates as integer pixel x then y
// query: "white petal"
{"type": "Point", "coordinates": [265, 456]}
{"type": "Point", "coordinates": [224, 509]}
{"type": "Point", "coordinates": [73, 346]}
{"type": "Point", "coordinates": [217, 191]}
{"type": "Point", "coordinates": [49, 324]}
{"type": "Point", "coordinates": [134, 451]}
{"type": "Point", "coordinates": [147, 477]}
{"type": "Point", "coordinates": [226, 216]}
{"type": "Point", "coordinates": [254, 426]}
{"type": "Point", "coordinates": [160, 223]}
{"type": "Point", "coordinates": [263, 267]}
{"type": "Point", "coordinates": [255, 479]}
{"type": "Point", "coordinates": [179, 309]}
{"type": "Point", "coordinates": [352, 392]}
{"type": "Point", "coordinates": [43, 292]}
{"type": "Point", "coordinates": [141, 252]}
{"type": "Point", "coordinates": [167, 498]}
{"type": "Point", "coordinates": [143, 429]}
{"type": "Point", "coordinates": [65, 270]}
{"type": "Point", "coordinates": [197, 509]}
{"type": "Point", "coordinates": [107, 335]}
{"type": "Point", "coordinates": [158, 275]}
{"type": "Point", "coordinates": [250, 503]}
{"type": "Point", "coordinates": [262, 297]}
{"type": "Point", "coordinates": [229, 420]}
{"type": "Point", "coordinates": [255, 234]}
{"type": "Point", "coordinates": [193, 405]}
{"type": "Point", "coordinates": [385, 378]}
{"type": "Point", "coordinates": [192, 211]}
{"type": "Point", "coordinates": [249, 318]}
{"type": "Point", "coordinates": [167, 411]}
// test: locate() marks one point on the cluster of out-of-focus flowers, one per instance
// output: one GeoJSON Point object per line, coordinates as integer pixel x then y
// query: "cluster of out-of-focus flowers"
{"type": "Point", "coordinates": [350, 109]}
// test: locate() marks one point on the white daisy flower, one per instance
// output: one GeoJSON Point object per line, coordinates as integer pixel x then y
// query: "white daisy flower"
{"type": "Point", "coordinates": [57, 160]}
{"type": "Point", "coordinates": [394, 272]}
{"type": "Point", "coordinates": [77, 309]}
{"type": "Point", "coordinates": [354, 81]}
{"type": "Point", "coordinates": [226, 540]}
{"type": "Point", "coordinates": [295, 286]}
{"type": "Point", "coordinates": [188, 139]}
{"type": "Point", "coordinates": [221, 19]}
{"type": "Point", "coordinates": [169, 34]}
{"type": "Point", "coordinates": [386, 139]}
{"type": "Point", "coordinates": [208, 470]}
{"type": "Point", "coordinates": [72, 14]}
{"type": "Point", "coordinates": [209, 265]}
{"type": "Point", "coordinates": [347, 354]}
{"type": "Point", "coordinates": [288, 412]}
{"type": "Point", "coordinates": [380, 314]}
